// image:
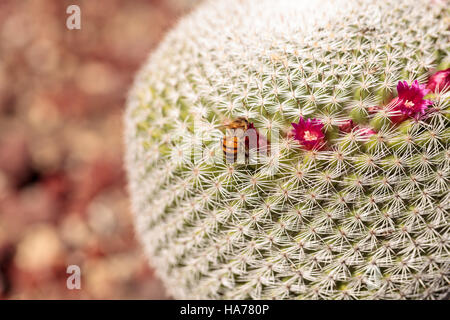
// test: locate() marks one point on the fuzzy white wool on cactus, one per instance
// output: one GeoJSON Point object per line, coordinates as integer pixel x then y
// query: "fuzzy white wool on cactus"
{"type": "Point", "coordinates": [365, 217]}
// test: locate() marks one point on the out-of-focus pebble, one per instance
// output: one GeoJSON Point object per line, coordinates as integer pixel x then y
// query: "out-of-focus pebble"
{"type": "Point", "coordinates": [40, 249]}
{"type": "Point", "coordinates": [97, 78]}
{"type": "Point", "coordinates": [101, 218]}
{"type": "Point", "coordinates": [74, 231]}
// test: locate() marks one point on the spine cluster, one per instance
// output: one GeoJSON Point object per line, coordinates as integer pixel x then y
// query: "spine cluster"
{"type": "Point", "coordinates": [351, 201]}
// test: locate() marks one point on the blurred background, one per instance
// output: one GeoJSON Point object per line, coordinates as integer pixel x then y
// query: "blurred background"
{"type": "Point", "coordinates": [63, 194]}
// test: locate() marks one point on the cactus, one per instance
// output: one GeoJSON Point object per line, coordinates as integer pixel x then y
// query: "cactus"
{"type": "Point", "coordinates": [364, 217]}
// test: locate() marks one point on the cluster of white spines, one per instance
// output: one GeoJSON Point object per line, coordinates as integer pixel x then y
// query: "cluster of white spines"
{"type": "Point", "coordinates": [367, 218]}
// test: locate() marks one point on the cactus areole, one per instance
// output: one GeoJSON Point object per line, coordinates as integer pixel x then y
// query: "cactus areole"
{"type": "Point", "coordinates": [348, 198]}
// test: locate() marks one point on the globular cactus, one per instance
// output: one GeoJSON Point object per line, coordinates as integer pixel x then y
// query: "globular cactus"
{"type": "Point", "coordinates": [364, 214]}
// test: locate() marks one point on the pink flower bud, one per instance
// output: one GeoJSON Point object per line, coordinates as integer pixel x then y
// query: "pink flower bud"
{"type": "Point", "coordinates": [347, 126]}
{"type": "Point", "coordinates": [439, 80]}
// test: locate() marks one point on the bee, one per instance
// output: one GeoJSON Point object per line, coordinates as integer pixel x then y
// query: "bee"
{"type": "Point", "coordinates": [231, 143]}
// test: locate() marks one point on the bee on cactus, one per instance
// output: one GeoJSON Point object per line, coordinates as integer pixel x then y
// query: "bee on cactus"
{"type": "Point", "coordinates": [232, 143]}
{"type": "Point", "coordinates": [242, 135]}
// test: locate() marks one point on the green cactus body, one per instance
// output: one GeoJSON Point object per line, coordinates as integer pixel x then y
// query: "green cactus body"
{"type": "Point", "coordinates": [364, 218]}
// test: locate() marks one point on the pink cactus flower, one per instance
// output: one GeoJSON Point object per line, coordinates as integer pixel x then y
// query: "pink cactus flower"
{"type": "Point", "coordinates": [309, 133]}
{"type": "Point", "coordinates": [439, 80]}
{"type": "Point", "coordinates": [410, 101]}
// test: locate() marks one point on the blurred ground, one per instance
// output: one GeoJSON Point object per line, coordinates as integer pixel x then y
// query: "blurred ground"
{"type": "Point", "coordinates": [62, 187]}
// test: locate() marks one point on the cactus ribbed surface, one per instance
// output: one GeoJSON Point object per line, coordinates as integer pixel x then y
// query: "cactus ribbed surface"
{"type": "Point", "coordinates": [366, 217]}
